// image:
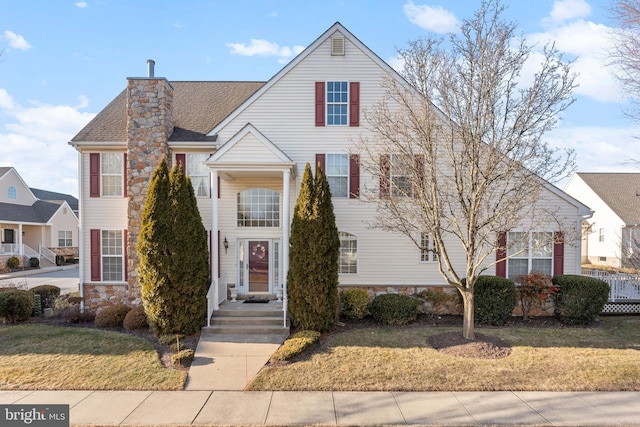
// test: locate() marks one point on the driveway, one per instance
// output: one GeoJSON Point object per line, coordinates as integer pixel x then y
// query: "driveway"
{"type": "Point", "coordinates": [67, 279]}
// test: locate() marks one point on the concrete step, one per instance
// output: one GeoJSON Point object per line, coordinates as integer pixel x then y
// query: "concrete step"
{"type": "Point", "coordinates": [245, 329]}
{"type": "Point", "coordinates": [237, 320]}
{"type": "Point", "coordinates": [224, 312]}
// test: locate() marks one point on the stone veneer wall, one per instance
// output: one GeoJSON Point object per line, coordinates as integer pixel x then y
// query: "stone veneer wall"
{"type": "Point", "coordinates": [149, 126]}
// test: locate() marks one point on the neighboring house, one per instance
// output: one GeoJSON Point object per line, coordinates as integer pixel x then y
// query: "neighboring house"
{"type": "Point", "coordinates": [612, 236]}
{"type": "Point", "coordinates": [35, 223]}
{"type": "Point", "coordinates": [245, 145]}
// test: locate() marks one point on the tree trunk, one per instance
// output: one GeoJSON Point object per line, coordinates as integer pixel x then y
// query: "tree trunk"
{"type": "Point", "coordinates": [468, 319]}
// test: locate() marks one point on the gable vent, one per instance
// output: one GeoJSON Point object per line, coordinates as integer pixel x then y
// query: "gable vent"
{"type": "Point", "coordinates": [337, 46]}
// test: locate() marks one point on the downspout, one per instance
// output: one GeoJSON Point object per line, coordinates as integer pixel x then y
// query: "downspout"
{"type": "Point", "coordinates": [286, 222]}
{"type": "Point", "coordinates": [80, 235]}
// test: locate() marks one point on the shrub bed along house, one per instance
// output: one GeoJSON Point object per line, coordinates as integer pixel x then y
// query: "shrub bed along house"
{"type": "Point", "coordinates": [355, 303]}
{"type": "Point", "coordinates": [19, 304]}
{"type": "Point", "coordinates": [135, 319]}
{"type": "Point", "coordinates": [48, 294]}
{"type": "Point", "coordinates": [579, 299]}
{"type": "Point", "coordinates": [112, 316]}
{"type": "Point", "coordinates": [494, 299]}
{"type": "Point", "coordinates": [394, 309]}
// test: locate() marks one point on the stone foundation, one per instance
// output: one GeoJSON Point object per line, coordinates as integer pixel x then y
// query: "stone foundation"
{"type": "Point", "coordinates": [97, 296]}
{"type": "Point", "coordinates": [67, 252]}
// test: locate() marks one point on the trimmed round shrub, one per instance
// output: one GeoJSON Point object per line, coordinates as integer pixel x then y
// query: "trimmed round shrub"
{"type": "Point", "coordinates": [296, 345]}
{"type": "Point", "coordinates": [48, 294]}
{"type": "Point", "coordinates": [74, 316]}
{"type": "Point", "coordinates": [112, 316]}
{"type": "Point", "coordinates": [355, 303]}
{"type": "Point", "coordinates": [19, 304]}
{"type": "Point", "coordinates": [580, 299]}
{"type": "Point", "coordinates": [182, 356]}
{"type": "Point", "coordinates": [494, 299]}
{"type": "Point", "coordinates": [135, 319]}
{"type": "Point", "coordinates": [394, 309]}
{"type": "Point", "coordinates": [13, 262]}
{"type": "Point", "coordinates": [34, 262]}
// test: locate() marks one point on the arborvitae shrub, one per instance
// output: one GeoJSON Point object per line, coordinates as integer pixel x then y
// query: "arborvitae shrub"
{"type": "Point", "coordinates": [135, 319]}
{"type": "Point", "coordinates": [112, 316]}
{"type": "Point", "coordinates": [37, 306]}
{"type": "Point", "coordinates": [580, 299]}
{"type": "Point", "coordinates": [13, 262]}
{"type": "Point", "coordinates": [48, 293]}
{"type": "Point", "coordinates": [19, 304]}
{"type": "Point", "coordinates": [494, 299]}
{"type": "Point", "coordinates": [296, 345]}
{"type": "Point", "coordinates": [34, 262]}
{"type": "Point", "coordinates": [394, 309]}
{"type": "Point", "coordinates": [355, 303]}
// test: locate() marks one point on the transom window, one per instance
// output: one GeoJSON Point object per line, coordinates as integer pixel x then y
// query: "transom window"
{"type": "Point", "coordinates": [111, 171]}
{"type": "Point", "coordinates": [198, 173]}
{"type": "Point", "coordinates": [258, 207]}
{"type": "Point", "coordinates": [400, 175]}
{"type": "Point", "coordinates": [112, 256]}
{"type": "Point", "coordinates": [529, 253]}
{"type": "Point", "coordinates": [65, 238]}
{"type": "Point", "coordinates": [426, 248]}
{"type": "Point", "coordinates": [338, 174]}
{"type": "Point", "coordinates": [337, 103]}
{"type": "Point", "coordinates": [12, 193]}
{"type": "Point", "coordinates": [348, 261]}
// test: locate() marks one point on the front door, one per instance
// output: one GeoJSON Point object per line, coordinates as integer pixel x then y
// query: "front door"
{"type": "Point", "coordinates": [258, 274]}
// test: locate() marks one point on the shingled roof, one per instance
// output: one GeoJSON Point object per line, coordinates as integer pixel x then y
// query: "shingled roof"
{"type": "Point", "coordinates": [620, 191]}
{"type": "Point", "coordinates": [57, 198]}
{"type": "Point", "coordinates": [197, 108]}
{"type": "Point", "coordinates": [40, 212]}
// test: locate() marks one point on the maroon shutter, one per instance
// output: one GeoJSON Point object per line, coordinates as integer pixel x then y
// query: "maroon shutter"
{"type": "Point", "coordinates": [94, 174]}
{"type": "Point", "coordinates": [321, 161]}
{"type": "Point", "coordinates": [385, 176]}
{"type": "Point", "coordinates": [354, 176]}
{"type": "Point", "coordinates": [124, 176]}
{"type": "Point", "coordinates": [354, 104]}
{"type": "Point", "coordinates": [181, 159]}
{"type": "Point", "coordinates": [218, 249]}
{"type": "Point", "coordinates": [218, 186]}
{"type": "Point", "coordinates": [419, 163]}
{"type": "Point", "coordinates": [558, 253]}
{"type": "Point", "coordinates": [125, 242]}
{"type": "Point", "coordinates": [211, 252]}
{"type": "Point", "coordinates": [501, 254]}
{"type": "Point", "coordinates": [320, 94]}
{"type": "Point", "coordinates": [95, 255]}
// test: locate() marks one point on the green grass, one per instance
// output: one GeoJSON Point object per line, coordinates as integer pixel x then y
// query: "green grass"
{"type": "Point", "coordinates": [42, 357]}
{"type": "Point", "coordinates": [606, 357]}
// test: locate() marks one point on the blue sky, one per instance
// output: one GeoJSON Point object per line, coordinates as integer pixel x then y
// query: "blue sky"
{"type": "Point", "coordinates": [63, 61]}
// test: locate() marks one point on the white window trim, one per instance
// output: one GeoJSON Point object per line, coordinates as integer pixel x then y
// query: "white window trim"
{"type": "Point", "coordinates": [65, 238]}
{"type": "Point", "coordinates": [357, 240]}
{"type": "Point", "coordinates": [189, 158]}
{"type": "Point", "coordinates": [120, 175]}
{"type": "Point", "coordinates": [347, 176]}
{"type": "Point", "coordinates": [431, 256]}
{"type": "Point", "coordinates": [326, 102]}
{"type": "Point", "coordinates": [12, 193]}
{"type": "Point", "coordinates": [529, 251]}
{"type": "Point", "coordinates": [244, 226]}
{"type": "Point", "coordinates": [102, 256]}
{"type": "Point", "coordinates": [393, 190]}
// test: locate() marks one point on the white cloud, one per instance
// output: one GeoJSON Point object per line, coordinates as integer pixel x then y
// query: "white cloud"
{"type": "Point", "coordinates": [16, 41]}
{"type": "Point", "coordinates": [436, 19]}
{"type": "Point", "coordinates": [564, 10]}
{"type": "Point", "coordinates": [34, 141]}
{"type": "Point", "coordinates": [261, 47]}
{"type": "Point", "coordinates": [81, 4]}
{"type": "Point", "coordinates": [273, 14]}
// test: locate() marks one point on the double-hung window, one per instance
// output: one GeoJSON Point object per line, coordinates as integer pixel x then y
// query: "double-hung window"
{"type": "Point", "coordinates": [111, 171]}
{"type": "Point", "coordinates": [348, 260]}
{"type": "Point", "coordinates": [198, 173]}
{"type": "Point", "coordinates": [65, 238]}
{"type": "Point", "coordinates": [529, 252]}
{"type": "Point", "coordinates": [112, 250]}
{"type": "Point", "coordinates": [401, 166]}
{"type": "Point", "coordinates": [338, 174]}
{"type": "Point", "coordinates": [337, 103]}
{"type": "Point", "coordinates": [426, 248]}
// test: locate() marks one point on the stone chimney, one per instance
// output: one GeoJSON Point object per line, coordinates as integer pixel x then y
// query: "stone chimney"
{"type": "Point", "coordinates": [149, 126]}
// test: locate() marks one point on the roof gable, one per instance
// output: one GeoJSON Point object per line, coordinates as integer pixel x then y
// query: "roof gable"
{"type": "Point", "coordinates": [620, 191]}
{"type": "Point", "coordinates": [249, 146]}
{"type": "Point", "coordinates": [11, 178]}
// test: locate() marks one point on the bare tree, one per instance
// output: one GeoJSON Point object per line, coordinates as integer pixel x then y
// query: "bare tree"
{"type": "Point", "coordinates": [457, 146]}
{"type": "Point", "coordinates": [625, 55]}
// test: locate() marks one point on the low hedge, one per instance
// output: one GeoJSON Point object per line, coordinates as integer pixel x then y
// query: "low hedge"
{"type": "Point", "coordinates": [136, 319]}
{"type": "Point", "coordinates": [355, 303]}
{"type": "Point", "coordinates": [296, 344]}
{"type": "Point", "coordinates": [18, 304]}
{"type": "Point", "coordinates": [394, 309]}
{"type": "Point", "coordinates": [580, 298]}
{"type": "Point", "coordinates": [494, 299]}
{"type": "Point", "coordinates": [112, 316]}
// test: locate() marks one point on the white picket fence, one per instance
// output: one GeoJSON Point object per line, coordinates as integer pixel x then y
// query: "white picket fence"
{"type": "Point", "coordinates": [622, 287]}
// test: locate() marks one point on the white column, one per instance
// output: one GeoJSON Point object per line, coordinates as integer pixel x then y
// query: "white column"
{"type": "Point", "coordinates": [286, 223]}
{"type": "Point", "coordinates": [215, 245]}
{"type": "Point", "coordinates": [20, 248]}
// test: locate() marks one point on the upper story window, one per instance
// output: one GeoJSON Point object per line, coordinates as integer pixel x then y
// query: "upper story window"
{"type": "Point", "coordinates": [198, 173]}
{"type": "Point", "coordinates": [529, 252]}
{"type": "Point", "coordinates": [337, 103]}
{"type": "Point", "coordinates": [112, 173]}
{"type": "Point", "coordinates": [601, 235]}
{"type": "Point", "coordinates": [401, 166]}
{"type": "Point", "coordinates": [338, 174]}
{"type": "Point", "coordinates": [348, 261]}
{"type": "Point", "coordinates": [258, 207]}
{"type": "Point", "coordinates": [12, 193]}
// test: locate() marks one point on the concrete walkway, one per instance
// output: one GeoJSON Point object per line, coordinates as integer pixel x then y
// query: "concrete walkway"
{"type": "Point", "coordinates": [160, 408]}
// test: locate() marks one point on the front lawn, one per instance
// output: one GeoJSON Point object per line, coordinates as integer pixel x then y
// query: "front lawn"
{"type": "Point", "coordinates": [43, 357]}
{"type": "Point", "coordinates": [602, 357]}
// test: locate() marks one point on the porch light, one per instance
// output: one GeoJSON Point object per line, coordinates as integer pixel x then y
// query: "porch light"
{"type": "Point", "coordinates": [225, 243]}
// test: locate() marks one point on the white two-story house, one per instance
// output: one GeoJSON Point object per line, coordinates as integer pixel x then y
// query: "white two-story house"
{"type": "Point", "coordinates": [245, 145]}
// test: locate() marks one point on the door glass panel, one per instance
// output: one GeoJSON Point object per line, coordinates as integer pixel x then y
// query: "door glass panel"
{"type": "Point", "coordinates": [240, 264]}
{"type": "Point", "coordinates": [258, 265]}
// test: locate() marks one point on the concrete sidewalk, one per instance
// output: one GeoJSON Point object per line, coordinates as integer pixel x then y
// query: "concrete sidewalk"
{"type": "Point", "coordinates": [160, 408]}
